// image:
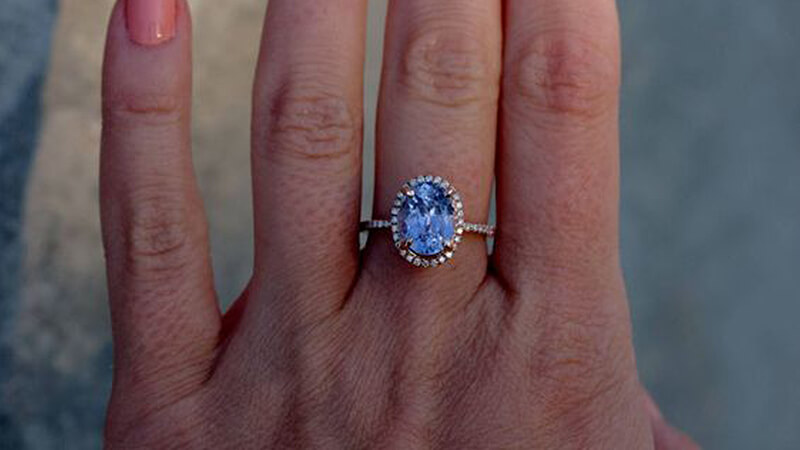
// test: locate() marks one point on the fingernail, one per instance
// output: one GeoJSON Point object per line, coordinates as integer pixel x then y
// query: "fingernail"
{"type": "Point", "coordinates": [151, 22]}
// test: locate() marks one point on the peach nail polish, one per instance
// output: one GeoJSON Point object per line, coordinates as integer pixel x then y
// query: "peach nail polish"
{"type": "Point", "coordinates": [150, 22]}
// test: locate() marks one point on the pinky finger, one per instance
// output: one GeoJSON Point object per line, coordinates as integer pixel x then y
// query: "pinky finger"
{"type": "Point", "coordinates": [665, 436]}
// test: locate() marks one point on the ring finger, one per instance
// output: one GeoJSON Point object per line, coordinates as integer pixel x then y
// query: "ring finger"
{"type": "Point", "coordinates": [437, 115]}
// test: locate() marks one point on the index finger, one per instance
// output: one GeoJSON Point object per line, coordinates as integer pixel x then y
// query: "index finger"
{"type": "Point", "coordinates": [164, 312]}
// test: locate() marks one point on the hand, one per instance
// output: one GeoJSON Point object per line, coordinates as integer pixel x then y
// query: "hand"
{"type": "Point", "coordinates": [329, 347]}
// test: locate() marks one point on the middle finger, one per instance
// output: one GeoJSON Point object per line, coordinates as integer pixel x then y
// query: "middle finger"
{"type": "Point", "coordinates": [437, 114]}
{"type": "Point", "coordinates": [307, 151]}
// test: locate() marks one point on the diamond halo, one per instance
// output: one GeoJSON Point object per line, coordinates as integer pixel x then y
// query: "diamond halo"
{"type": "Point", "coordinates": [456, 220]}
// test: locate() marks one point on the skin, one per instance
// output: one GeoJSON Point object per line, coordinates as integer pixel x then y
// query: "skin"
{"type": "Point", "coordinates": [331, 347]}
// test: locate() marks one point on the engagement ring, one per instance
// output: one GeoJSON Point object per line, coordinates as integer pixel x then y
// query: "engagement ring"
{"type": "Point", "coordinates": [427, 221]}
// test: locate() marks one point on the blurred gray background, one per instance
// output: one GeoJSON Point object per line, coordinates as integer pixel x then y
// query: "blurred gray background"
{"type": "Point", "coordinates": [710, 207]}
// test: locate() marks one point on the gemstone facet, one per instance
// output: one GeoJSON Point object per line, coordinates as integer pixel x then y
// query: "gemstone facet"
{"type": "Point", "coordinates": [426, 218]}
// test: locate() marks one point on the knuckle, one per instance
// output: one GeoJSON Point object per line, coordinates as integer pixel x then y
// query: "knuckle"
{"type": "Point", "coordinates": [158, 235]}
{"type": "Point", "coordinates": [448, 67]}
{"type": "Point", "coordinates": [144, 110]}
{"type": "Point", "coordinates": [581, 404]}
{"type": "Point", "coordinates": [564, 74]}
{"type": "Point", "coordinates": [568, 358]}
{"type": "Point", "coordinates": [309, 123]}
{"type": "Point", "coordinates": [582, 356]}
{"type": "Point", "coordinates": [146, 428]}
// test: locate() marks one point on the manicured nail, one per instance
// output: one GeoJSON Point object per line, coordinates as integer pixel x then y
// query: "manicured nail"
{"type": "Point", "coordinates": [151, 22]}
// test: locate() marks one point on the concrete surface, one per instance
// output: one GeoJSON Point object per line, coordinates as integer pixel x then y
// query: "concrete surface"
{"type": "Point", "coordinates": [24, 48]}
{"type": "Point", "coordinates": [711, 217]}
{"type": "Point", "coordinates": [711, 214]}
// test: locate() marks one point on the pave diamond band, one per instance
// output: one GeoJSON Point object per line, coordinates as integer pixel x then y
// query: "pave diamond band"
{"type": "Point", "coordinates": [427, 221]}
{"type": "Point", "coordinates": [477, 228]}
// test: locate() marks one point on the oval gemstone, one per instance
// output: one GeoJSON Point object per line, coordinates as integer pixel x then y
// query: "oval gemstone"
{"type": "Point", "coordinates": [427, 219]}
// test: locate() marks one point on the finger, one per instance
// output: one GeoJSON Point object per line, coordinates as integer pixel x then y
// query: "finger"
{"type": "Point", "coordinates": [557, 188]}
{"type": "Point", "coordinates": [557, 165]}
{"type": "Point", "coordinates": [307, 149]}
{"type": "Point", "coordinates": [666, 437]}
{"type": "Point", "coordinates": [164, 312]}
{"type": "Point", "coordinates": [437, 114]}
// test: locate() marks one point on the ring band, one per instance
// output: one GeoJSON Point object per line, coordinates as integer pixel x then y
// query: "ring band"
{"type": "Point", "coordinates": [477, 228]}
{"type": "Point", "coordinates": [427, 221]}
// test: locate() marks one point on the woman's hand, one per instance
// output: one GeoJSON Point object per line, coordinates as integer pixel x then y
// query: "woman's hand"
{"type": "Point", "coordinates": [329, 347]}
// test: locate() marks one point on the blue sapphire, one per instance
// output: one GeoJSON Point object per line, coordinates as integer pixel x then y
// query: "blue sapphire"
{"type": "Point", "coordinates": [427, 219]}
